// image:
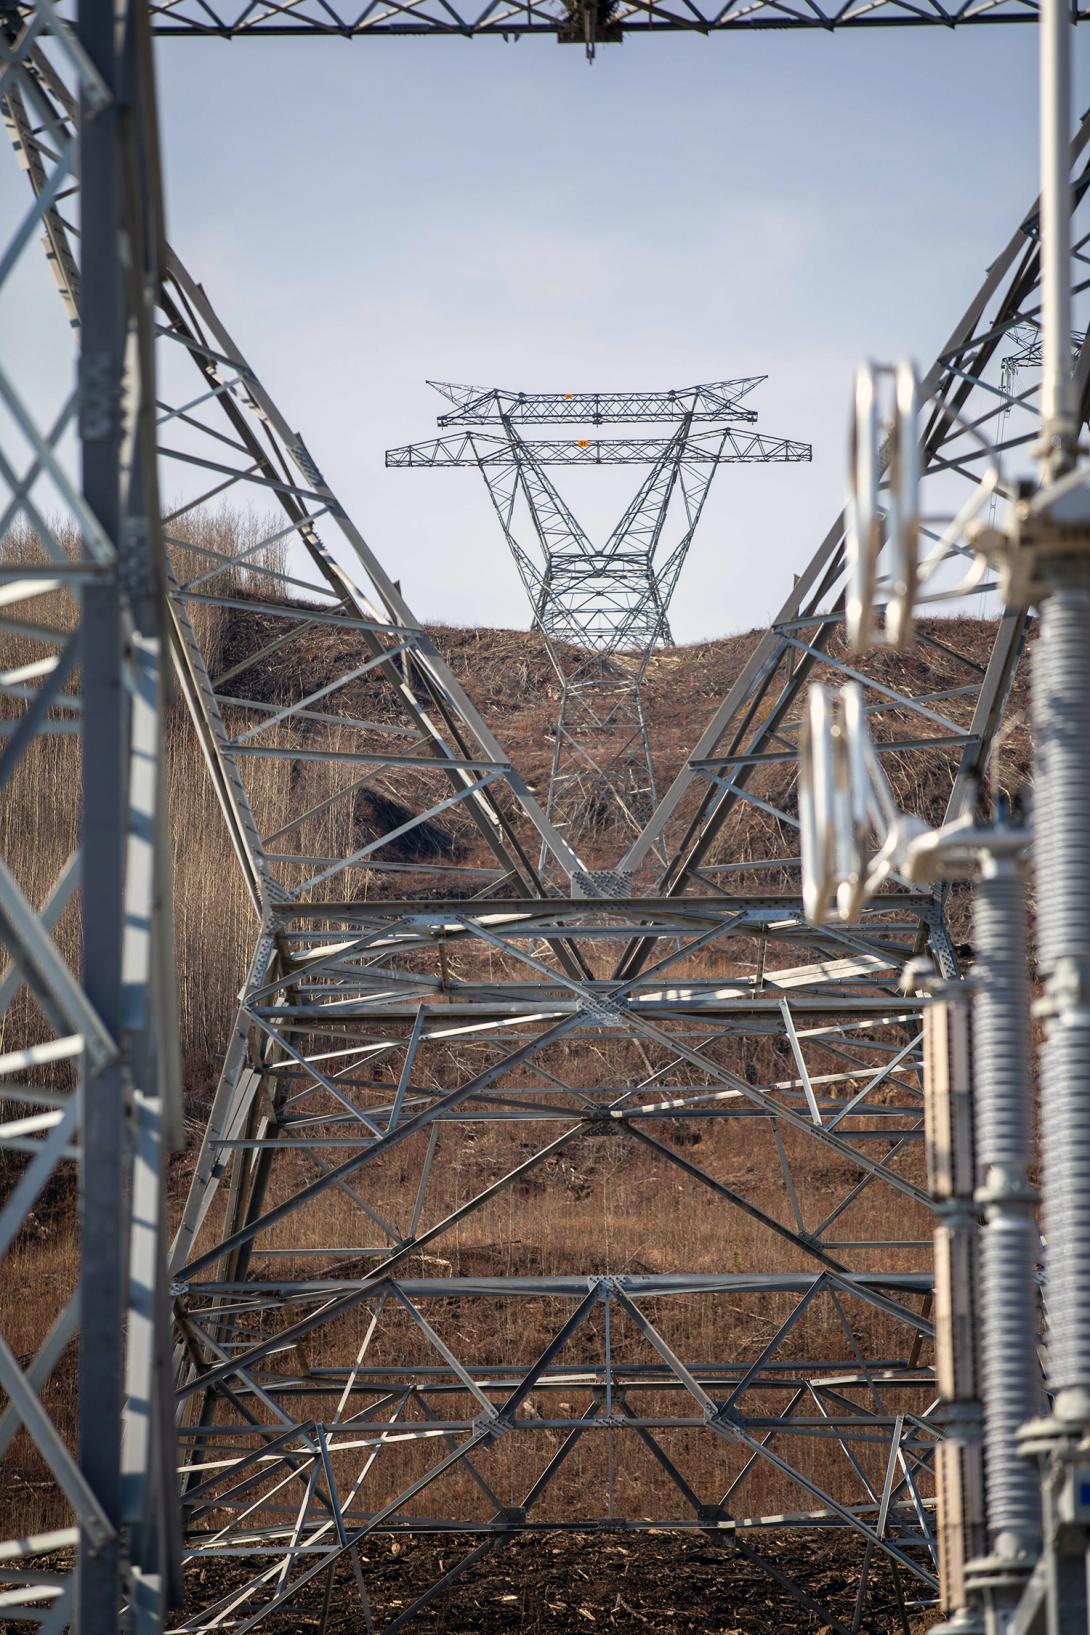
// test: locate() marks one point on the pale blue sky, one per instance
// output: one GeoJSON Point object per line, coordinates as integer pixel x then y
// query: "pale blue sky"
{"type": "Point", "coordinates": [367, 214]}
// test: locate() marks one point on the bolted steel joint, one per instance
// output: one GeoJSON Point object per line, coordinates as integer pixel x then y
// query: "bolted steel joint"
{"type": "Point", "coordinates": [101, 388]}
{"type": "Point", "coordinates": [721, 1416]}
{"type": "Point", "coordinates": [307, 465]}
{"type": "Point", "coordinates": [490, 1425]}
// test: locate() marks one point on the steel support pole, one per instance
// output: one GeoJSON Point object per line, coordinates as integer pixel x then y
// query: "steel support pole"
{"type": "Point", "coordinates": [951, 1173]}
{"type": "Point", "coordinates": [1057, 398]}
{"type": "Point", "coordinates": [101, 1357]}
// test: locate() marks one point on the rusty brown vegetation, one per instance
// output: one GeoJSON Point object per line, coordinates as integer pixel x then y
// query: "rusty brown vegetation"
{"type": "Point", "coordinates": [608, 1201]}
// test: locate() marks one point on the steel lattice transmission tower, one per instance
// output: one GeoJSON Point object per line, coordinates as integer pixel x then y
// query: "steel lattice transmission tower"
{"type": "Point", "coordinates": [421, 1053]}
{"type": "Point", "coordinates": [89, 1071]}
{"type": "Point", "coordinates": [602, 609]}
{"type": "Point", "coordinates": [342, 1377]}
{"type": "Point", "coordinates": [333, 1282]}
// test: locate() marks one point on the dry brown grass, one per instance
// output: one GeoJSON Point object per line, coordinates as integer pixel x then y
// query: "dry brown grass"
{"type": "Point", "coordinates": [603, 1205]}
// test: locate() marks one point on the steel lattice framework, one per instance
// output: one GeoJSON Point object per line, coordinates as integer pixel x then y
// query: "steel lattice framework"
{"type": "Point", "coordinates": [88, 1066]}
{"type": "Point", "coordinates": [352, 1357]}
{"type": "Point", "coordinates": [469, 1044]}
{"type": "Point", "coordinates": [582, 22]}
{"type": "Point", "coordinates": [588, 23]}
{"type": "Point", "coordinates": [602, 609]}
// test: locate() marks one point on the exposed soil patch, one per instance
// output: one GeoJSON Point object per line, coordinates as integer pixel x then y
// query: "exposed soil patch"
{"type": "Point", "coordinates": [642, 1584]}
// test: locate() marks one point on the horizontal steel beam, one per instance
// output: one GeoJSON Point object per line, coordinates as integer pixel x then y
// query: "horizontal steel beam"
{"type": "Point", "coordinates": [485, 406]}
{"type": "Point", "coordinates": [731, 447]}
{"type": "Point", "coordinates": [570, 21]}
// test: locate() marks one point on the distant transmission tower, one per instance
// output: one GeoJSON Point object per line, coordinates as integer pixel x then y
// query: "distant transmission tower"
{"type": "Point", "coordinates": [601, 608]}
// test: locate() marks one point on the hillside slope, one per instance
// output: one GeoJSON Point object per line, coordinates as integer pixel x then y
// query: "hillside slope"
{"type": "Point", "coordinates": [661, 1584]}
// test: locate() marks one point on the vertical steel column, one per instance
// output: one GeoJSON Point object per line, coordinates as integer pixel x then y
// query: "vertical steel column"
{"type": "Point", "coordinates": [102, 353]}
{"type": "Point", "coordinates": [950, 1176]}
{"type": "Point", "coordinates": [1058, 427]}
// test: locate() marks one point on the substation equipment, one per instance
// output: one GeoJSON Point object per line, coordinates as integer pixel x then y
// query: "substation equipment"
{"type": "Point", "coordinates": [1013, 1472]}
{"type": "Point", "coordinates": [307, 1351]}
{"type": "Point", "coordinates": [602, 609]}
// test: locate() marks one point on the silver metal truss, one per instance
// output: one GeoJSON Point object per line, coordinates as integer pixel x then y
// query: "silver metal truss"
{"type": "Point", "coordinates": [602, 609]}
{"type": "Point", "coordinates": [716, 400]}
{"type": "Point", "coordinates": [349, 1369]}
{"type": "Point", "coordinates": [413, 1022]}
{"type": "Point", "coordinates": [588, 23]}
{"type": "Point", "coordinates": [405, 1299]}
{"type": "Point", "coordinates": [582, 22]}
{"type": "Point", "coordinates": [89, 1081]}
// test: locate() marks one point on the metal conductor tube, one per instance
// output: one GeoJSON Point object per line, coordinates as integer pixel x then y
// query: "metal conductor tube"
{"type": "Point", "coordinates": [1059, 428]}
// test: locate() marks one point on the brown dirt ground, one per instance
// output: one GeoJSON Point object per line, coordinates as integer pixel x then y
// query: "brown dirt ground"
{"type": "Point", "coordinates": [638, 1584]}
